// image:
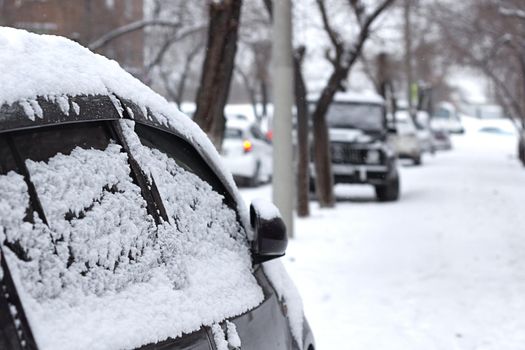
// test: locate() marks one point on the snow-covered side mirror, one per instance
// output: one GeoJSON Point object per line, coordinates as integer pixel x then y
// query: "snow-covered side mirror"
{"type": "Point", "coordinates": [270, 240]}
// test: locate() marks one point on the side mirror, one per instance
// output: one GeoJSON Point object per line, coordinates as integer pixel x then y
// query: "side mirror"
{"type": "Point", "coordinates": [270, 240]}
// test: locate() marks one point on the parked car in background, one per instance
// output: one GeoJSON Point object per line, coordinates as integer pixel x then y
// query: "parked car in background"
{"type": "Point", "coordinates": [359, 151]}
{"type": "Point", "coordinates": [424, 132]}
{"type": "Point", "coordinates": [247, 152]}
{"type": "Point", "coordinates": [442, 140]}
{"type": "Point", "coordinates": [405, 139]}
{"type": "Point", "coordinates": [118, 227]}
{"type": "Point", "coordinates": [446, 118]}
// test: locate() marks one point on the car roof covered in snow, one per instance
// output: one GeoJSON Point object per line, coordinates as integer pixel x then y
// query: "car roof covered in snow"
{"type": "Point", "coordinates": [47, 79]}
{"type": "Point", "coordinates": [38, 68]}
{"type": "Point", "coordinates": [365, 97]}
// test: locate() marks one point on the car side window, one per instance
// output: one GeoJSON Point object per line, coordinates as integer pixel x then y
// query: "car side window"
{"type": "Point", "coordinates": [90, 259]}
{"type": "Point", "coordinates": [182, 177]}
{"type": "Point", "coordinates": [183, 155]}
{"type": "Point", "coordinates": [82, 182]}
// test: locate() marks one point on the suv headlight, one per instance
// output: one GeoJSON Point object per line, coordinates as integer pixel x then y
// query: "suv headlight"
{"type": "Point", "coordinates": [373, 157]}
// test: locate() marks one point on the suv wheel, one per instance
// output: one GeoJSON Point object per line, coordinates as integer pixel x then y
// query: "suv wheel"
{"type": "Point", "coordinates": [390, 191]}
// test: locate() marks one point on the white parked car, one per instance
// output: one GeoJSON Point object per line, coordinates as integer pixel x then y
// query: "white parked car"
{"type": "Point", "coordinates": [446, 118]}
{"type": "Point", "coordinates": [246, 152]}
{"type": "Point", "coordinates": [405, 140]}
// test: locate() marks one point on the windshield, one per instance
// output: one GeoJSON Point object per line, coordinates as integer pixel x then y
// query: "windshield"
{"type": "Point", "coordinates": [367, 117]}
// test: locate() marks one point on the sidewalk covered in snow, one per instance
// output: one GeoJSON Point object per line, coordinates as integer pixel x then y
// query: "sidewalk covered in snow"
{"type": "Point", "coordinates": [443, 268]}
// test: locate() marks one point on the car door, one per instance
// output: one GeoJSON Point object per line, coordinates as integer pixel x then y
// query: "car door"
{"type": "Point", "coordinates": [266, 326]}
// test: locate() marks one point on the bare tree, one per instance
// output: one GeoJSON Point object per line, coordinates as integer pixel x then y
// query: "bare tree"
{"type": "Point", "coordinates": [129, 28]}
{"type": "Point", "coordinates": [342, 56]}
{"type": "Point", "coordinates": [217, 70]}
{"type": "Point", "coordinates": [173, 53]}
{"type": "Point", "coordinates": [488, 35]}
{"type": "Point", "coordinates": [177, 87]}
{"type": "Point", "coordinates": [254, 56]}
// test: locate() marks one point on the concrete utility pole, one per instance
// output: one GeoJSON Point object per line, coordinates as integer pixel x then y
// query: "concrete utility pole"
{"type": "Point", "coordinates": [408, 54]}
{"type": "Point", "coordinates": [283, 167]}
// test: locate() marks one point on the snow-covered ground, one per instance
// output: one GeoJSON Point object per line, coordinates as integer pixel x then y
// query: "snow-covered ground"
{"type": "Point", "coordinates": [443, 268]}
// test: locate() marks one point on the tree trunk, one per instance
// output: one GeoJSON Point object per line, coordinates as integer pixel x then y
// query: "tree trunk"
{"type": "Point", "coordinates": [217, 70]}
{"type": "Point", "coordinates": [264, 98]}
{"type": "Point", "coordinates": [324, 181]}
{"type": "Point", "coordinates": [303, 145]}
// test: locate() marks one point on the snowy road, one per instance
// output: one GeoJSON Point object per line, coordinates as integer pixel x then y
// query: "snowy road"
{"type": "Point", "coordinates": [444, 268]}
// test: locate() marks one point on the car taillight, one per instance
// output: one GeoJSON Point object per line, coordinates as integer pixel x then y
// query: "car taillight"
{"type": "Point", "coordinates": [247, 146]}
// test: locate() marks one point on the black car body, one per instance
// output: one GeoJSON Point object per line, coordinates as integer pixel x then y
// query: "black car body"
{"type": "Point", "coordinates": [106, 153]}
{"type": "Point", "coordinates": [360, 153]}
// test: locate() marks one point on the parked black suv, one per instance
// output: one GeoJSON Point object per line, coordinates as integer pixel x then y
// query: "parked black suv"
{"type": "Point", "coordinates": [359, 151]}
{"type": "Point", "coordinates": [118, 229]}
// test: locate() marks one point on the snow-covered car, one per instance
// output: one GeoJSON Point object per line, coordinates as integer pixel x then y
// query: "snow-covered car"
{"type": "Point", "coordinates": [359, 151]}
{"type": "Point", "coordinates": [246, 152]}
{"type": "Point", "coordinates": [446, 118]}
{"type": "Point", "coordinates": [405, 140]}
{"type": "Point", "coordinates": [118, 227]}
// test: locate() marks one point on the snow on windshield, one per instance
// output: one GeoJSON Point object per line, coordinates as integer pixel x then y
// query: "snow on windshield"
{"type": "Point", "coordinates": [103, 275]}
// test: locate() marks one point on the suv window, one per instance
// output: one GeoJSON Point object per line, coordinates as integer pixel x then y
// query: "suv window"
{"type": "Point", "coordinates": [93, 265]}
{"type": "Point", "coordinates": [368, 117]}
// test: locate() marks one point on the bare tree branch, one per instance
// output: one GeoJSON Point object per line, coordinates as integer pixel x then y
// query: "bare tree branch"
{"type": "Point", "coordinates": [332, 34]}
{"type": "Point", "coordinates": [177, 93]}
{"type": "Point", "coordinates": [157, 60]}
{"type": "Point", "coordinates": [252, 94]}
{"type": "Point", "coordinates": [128, 28]}
{"type": "Point", "coordinates": [365, 28]}
{"type": "Point", "coordinates": [379, 9]}
{"type": "Point", "coordinates": [359, 10]}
